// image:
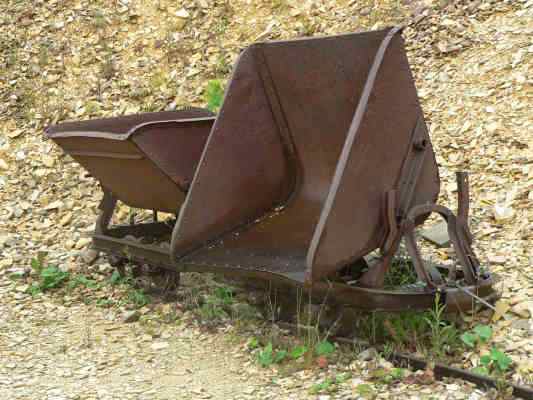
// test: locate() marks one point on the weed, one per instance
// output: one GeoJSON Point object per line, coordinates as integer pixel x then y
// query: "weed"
{"type": "Point", "coordinates": [413, 331]}
{"type": "Point", "coordinates": [298, 352]}
{"type": "Point", "coordinates": [443, 335]}
{"type": "Point", "coordinates": [222, 67]}
{"type": "Point", "coordinates": [342, 378]}
{"type": "Point", "coordinates": [496, 361]}
{"type": "Point", "coordinates": [108, 68]}
{"type": "Point", "coordinates": [17, 275]}
{"type": "Point", "coordinates": [222, 25]}
{"type": "Point", "coordinates": [388, 350]}
{"type": "Point", "coordinates": [406, 329]}
{"type": "Point", "coordinates": [88, 336]}
{"type": "Point", "coordinates": [479, 335]}
{"type": "Point", "coordinates": [99, 20]}
{"type": "Point", "coordinates": [117, 279]}
{"type": "Point", "coordinates": [44, 55]}
{"type": "Point", "coordinates": [327, 385]}
{"type": "Point", "coordinates": [137, 297]}
{"type": "Point", "coordinates": [267, 356]}
{"type": "Point", "coordinates": [81, 280]}
{"type": "Point", "coordinates": [253, 343]}
{"type": "Point", "coordinates": [216, 305]}
{"type": "Point", "coordinates": [105, 303]}
{"type": "Point", "coordinates": [401, 273]}
{"type": "Point", "coordinates": [324, 348]}
{"type": "Point", "coordinates": [50, 277]}
{"type": "Point", "coordinates": [214, 94]}
{"type": "Point", "coordinates": [365, 390]}
{"type": "Point", "coordinates": [389, 376]}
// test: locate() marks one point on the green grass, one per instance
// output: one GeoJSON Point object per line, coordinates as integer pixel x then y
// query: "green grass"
{"type": "Point", "coordinates": [330, 384]}
{"type": "Point", "coordinates": [50, 277]}
{"type": "Point", "coordinates": [82, 280]}
{"type": "Point", "coordinates": [216, 305]}
{"type": "Point", "coordinates": [428, 331]}
{"type": "Point", "coordinates": [137, 297]}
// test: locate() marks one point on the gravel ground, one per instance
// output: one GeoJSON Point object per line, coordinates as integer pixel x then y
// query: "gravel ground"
{"type": "Point", "coordinates": [81, 59]}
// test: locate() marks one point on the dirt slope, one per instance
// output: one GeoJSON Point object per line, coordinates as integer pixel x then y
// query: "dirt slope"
{"type": "Point", "coordinates": [78, 59]}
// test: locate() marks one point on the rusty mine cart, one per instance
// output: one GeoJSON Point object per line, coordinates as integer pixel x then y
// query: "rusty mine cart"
{"type": "Point", "coordinates": [318, 157]}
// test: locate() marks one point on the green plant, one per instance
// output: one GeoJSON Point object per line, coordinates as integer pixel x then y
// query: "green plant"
{"type": "Point", "coordinates": [214, 94]}
{"type": "Point", "coordinates": [82, 280]}
{"type": "Point", "coordinates": [479, 335]}
{"type": "Point", "coordinates": [116, 278]}
{"type": "Point", "coordinates": [37, 264]}
{"type": "Point", "coordinates": [401, 273]}
{"type": "Point", "coordinates": [341, 378]}
{"type": "Point", "coordinates": [388, 350]}
{"type": "Point", "coordinates": [365, 390]}
{"type": "Point", "coordinates": [105, 303]}
{"type": "Point", "coordinates": [267, 356]}
{"type": "Point", "coordinates": [253, 343]}
{"type": "Point", "coordinates": [216, 304]}
{"type": "Point", "coordinates": [496, 361]}
{"type": "Point", "coordinates": [137, 297]}
{"type": "Point", "coordinates": [297, 352]}
{"type": "Point", "coordinates": [17, 275]}
{"type": "Point", "coordinates": [443, 335]}
{"type": "Point", "coordinates": [325, 386]}
{"type": "Point", "coordinates": [389, 376]}
{"type": "Point", "coordinates": [324, 348]}
{"type": "Point", "coordinates": [48, 278]}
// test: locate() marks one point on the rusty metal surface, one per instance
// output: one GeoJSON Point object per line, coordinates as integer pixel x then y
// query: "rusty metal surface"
{"type": "Point", "coordinates": [175, 146]}
{"type": "Point", "coordinates": [121, 128]}
{"type": "Point", "coordinates": [285, 269]}
{"type": "Point", "coordinates": [384, 130]}
{"type": "Point", "coordinates": [307, 91]}
{"type": "Point", "coordinates": [242, 173]}
{"type": "Point", "coordinates": [354, 296]}
{"type": "Point", "coordinates": [133, 152]}
{"type": "Point", "coordinates": [319, 155]}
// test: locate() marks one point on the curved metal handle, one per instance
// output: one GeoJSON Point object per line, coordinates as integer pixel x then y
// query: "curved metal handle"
{"type": "Point", "coordinates": [457, 236]}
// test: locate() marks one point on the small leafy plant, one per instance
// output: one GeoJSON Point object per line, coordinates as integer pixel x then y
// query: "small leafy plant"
{"type": "Point", "coordinates": [443, 335]}
{"type": "Point", "coordinates": [81, 280]}
{"type": "Point", "coordinates": [327, 385]}
{"type": "Point", "coordinates": [365, 390]}
{"type": "Point", "coordinates": [137, 297]}
{"type": "Point", "coordinates": [214, 94]}
{"type": "Point", "coordinates": [389, 376]}
{"type": "Point", "coordinates": [496, 361]}
{"type": "Point", "coordinates": [268, 356]}
{"type": "Point", "coordinates": [298, 352]}
{"type": "Point", "coordinates": [324, 348]}
{"type": "Point", "coordinates": [481, 334]}
{"type": "Point", "coordinates": [50, 277]}
{"type": "Point", "coordinates": [216, 305]}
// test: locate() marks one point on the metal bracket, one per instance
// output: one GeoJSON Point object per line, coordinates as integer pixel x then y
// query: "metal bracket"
{"type": "Point", "coordinates": [458, 231]}
{"type": "Point", "coordinates": [107, 207]}
{"type": "Point", "coordinates": [412, 167]}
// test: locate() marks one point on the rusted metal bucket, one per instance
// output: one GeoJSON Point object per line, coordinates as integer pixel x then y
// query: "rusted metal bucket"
{"type": "Point", "coordinates": [318, 156]}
